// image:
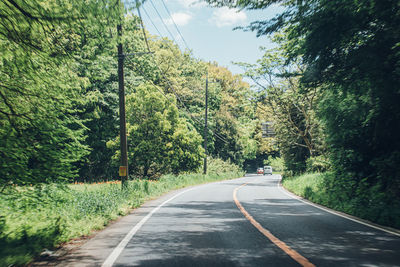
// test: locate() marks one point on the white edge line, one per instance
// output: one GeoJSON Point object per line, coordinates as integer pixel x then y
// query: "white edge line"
{"type": "Point", "coordinates": [120, 247]}
{"type": "Point", "coordinates": [348, 217]}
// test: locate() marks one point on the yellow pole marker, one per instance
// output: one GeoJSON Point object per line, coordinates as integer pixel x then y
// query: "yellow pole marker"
{"type": "Point", "coordinates": [282, 245]}
{"type": "Point", "coordinates": [122, 171]}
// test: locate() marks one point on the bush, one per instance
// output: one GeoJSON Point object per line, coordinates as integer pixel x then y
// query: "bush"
{"type": "Point", "coordinates": [218, 166]}
{"type": "Point", "coordinates": [358, 199]}
{"type": "Point", "coordinates": [276, 163]}
{"type": "Point", "coordinates": [318, 164]}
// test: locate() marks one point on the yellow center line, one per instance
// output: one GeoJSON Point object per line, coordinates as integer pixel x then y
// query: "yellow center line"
{"type": "Point", "coordinates": [282, 245]}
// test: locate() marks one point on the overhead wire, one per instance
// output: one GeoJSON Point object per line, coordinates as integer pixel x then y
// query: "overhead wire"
{"type": "Point", "coordinates": [148, 16]}
{"type": "Point", "coordinates": [194, 119]}
{"type": "Point", "coordinates": [172, 36]}
{"type": "Point", "coordinates": [141, 23]}
{"type": "Point", "coordinates": [156, 28]}
{"type": "Point", "coordinates": [176, 27]}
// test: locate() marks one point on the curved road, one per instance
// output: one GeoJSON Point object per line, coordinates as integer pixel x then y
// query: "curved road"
{"type": "Point", "coordinates": [203, 226]}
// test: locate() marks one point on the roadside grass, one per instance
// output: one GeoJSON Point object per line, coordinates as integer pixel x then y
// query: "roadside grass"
{"type": "Point", "coordinates": [321, 188]}
{"type": "Point", "coordinates": [34, 219]}
{"type": "Point", "coordinates": [308, 186]}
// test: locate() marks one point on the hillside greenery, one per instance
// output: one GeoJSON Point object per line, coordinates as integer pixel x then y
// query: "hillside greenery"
{"type": "Point", "coordinates": [59, 98]}
{"type": "Point", "coordinates": [331, 88]}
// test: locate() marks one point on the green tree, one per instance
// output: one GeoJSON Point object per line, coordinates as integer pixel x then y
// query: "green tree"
{"type": "Point", "coordinates": [98, 63]}
{"type": "Point", "coordinates": [291, 107]}
{"type": "Point", "coordinates": [232, 116]}
{"type": "Point", "coordinates": [41, 133]}
{"type": "Point", "coordinates": [159, 141]}
{"type": "Point", "coordinates": [351, 50]}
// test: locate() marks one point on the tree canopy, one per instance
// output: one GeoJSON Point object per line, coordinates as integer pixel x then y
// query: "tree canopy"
{"type": "Point", "coordinates": [350, 52]}
{"type": "Point", "coordinates": [59, 97]}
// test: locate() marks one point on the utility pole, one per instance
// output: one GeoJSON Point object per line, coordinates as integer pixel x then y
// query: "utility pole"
{"type": "Point", "coordinates": [123, 169]}
{"type": "Point", "coordinates": [205, 129]}
{"type": "Point", "coordinates": [205, 124]}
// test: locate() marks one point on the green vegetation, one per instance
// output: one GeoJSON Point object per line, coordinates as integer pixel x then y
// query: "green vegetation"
{"type": "Point", "coordinates": [59, 120]}
{"type": "Point", "coordinates": [159, 141]}
{"type": "Point", "coordinates": [308, 185]}
{"type": "Point", "coordinates": [322, 188]}
{"type": "Point", "coordinates": [331, 88]}
{"type": "Point", "coordinates": [277, 163]}
{"type": "Point", "coordinates": [34, 218]}
{"type": "Point", "coordinates": [59, 97]}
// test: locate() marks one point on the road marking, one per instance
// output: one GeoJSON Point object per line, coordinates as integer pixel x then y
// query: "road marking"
{"type": "Point", "coordinates": [343, 215]}
{"type": "Point", "coordinates": [282, 245]}
{"type": "Point", "coordinates": [118, 249]}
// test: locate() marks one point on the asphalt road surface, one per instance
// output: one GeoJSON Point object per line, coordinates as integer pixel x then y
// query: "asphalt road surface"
{"type": "Point", "coordinates": [249, 221]}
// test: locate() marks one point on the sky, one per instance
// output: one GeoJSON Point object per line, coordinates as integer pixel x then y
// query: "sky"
{"type": "Point", "coordinates": [207, 31]}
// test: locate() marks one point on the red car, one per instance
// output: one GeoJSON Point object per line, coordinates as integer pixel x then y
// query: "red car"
{"type": "Point", "coordinates": [260, 171]}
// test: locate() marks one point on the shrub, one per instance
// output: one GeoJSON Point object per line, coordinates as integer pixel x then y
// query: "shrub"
{"type": "Point", "coordinates": [318, 164]}
{"type": "Point", "coordinates": [276, 163]}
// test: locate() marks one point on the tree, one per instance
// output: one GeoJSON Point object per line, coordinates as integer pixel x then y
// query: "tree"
{"type": "Point", "coordinates": [41, 134]}
{"type": "Point", "coordinates": [97, 62]}
{"type": "Point", "coordinates": [351, 50]}
{"type": "Point", "coordinates": [289, 105]}
{"type": "Point", "coordinates": [159, 141]}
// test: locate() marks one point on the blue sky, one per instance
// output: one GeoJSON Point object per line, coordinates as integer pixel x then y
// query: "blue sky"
{"type": "Point", "coordinates": [208, 31]}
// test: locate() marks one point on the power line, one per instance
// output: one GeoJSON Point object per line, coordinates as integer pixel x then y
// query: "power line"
{"type": "Point", "coordinates": [161, 72]}
{"type": "Point", "coordinates": [172, 36]}
{"type": "Point", "coordinates": [194, 119]}
{"type": "Point", "coordinates": [148, 16]}
{"type": "Point", "coordinates": [141, 23]}
{"type": "Point", "coordinates": [158, 31]}
{"type": "Point", "coordinates": [176, 27]}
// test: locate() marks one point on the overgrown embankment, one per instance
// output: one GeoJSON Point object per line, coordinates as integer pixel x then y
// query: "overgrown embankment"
{"type": "Point", "coordinates": [321, 188]}
{"type": "Point", "coordinates": [36, 218]}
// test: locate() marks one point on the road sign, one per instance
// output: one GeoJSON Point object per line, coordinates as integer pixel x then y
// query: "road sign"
{"type": "Point", "coordinates": [267, 129]}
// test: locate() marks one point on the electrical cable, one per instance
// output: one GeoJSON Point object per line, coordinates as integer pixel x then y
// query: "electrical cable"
{"type": "Point", "coordinates": [176, 27]}
{"type": "Point", "coordinates": [172, 36]}
{"type": "Point", "coordinates": [141, 23]}
{"type": "Point", "coordinates": [148, 16]}
{"type": "Point", "coordinates": [161, 72]}
{"type": "Point", "coordinates": [194, 119]}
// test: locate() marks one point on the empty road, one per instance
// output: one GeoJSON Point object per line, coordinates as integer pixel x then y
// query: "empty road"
{"type": "Point", "coordinates": [249, 221]}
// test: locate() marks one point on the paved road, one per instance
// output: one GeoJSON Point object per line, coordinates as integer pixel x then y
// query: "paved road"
{"type": "Point", "coordinates": [204, 227]}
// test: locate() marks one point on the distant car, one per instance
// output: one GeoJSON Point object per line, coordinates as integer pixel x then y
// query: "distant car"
{"type": "Point", "coordinates": [260, 171]}
{"type": "Point", "coordinates": [267, 170]}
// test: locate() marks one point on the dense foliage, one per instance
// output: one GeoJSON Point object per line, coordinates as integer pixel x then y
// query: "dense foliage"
{"type": "Point", "coordinates": [351, 52]}
{"type": "Point", "coordinates": [41, 138]}
{"type": "Point", "coordinates": [290, 106]}
{"type": "Point", "coordinates": [159, 142]}
{"type": "Point", "coordinates": [59, 97]}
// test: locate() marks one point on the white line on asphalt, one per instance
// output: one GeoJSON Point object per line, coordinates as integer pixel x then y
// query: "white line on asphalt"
{"type": "Point", "coordinates": [348, 217]}
{"type": "Point", "coordinates": [118, 249]}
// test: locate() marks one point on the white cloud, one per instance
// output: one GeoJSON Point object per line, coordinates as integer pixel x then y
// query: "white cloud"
{"type": "Point", "coordinates": [227, 17]}
{"type": "Point", "coordinates": [180, 18]}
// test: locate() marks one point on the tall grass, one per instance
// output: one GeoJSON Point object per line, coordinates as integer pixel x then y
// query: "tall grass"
{"type": "Point", "coordinates": [322, 188]}
{"type": "Point", "coordinates": [32, 219]}
{"type": "Point", "coordinates": [309, 186]}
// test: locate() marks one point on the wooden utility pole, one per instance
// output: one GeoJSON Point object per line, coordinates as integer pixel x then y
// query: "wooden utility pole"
{"type": "Point", "coordinates": [123, 169]}
{"type": "Point", "coordinates": [205, 129]}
